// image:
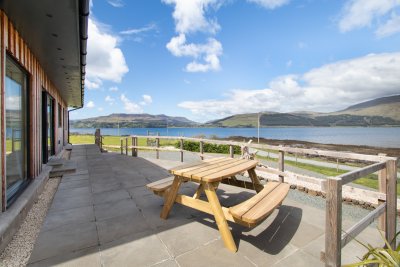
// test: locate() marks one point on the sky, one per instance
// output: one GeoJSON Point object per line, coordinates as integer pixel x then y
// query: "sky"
{"type": "Point", "coordinates": [208, 59]}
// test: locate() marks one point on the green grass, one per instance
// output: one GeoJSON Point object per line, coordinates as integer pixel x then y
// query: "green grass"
{"type": "Point", "coordinates": [370, 180]}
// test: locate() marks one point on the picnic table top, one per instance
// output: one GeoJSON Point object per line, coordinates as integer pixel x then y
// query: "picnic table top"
{"type": "Point", "coordinates": [213, 170]}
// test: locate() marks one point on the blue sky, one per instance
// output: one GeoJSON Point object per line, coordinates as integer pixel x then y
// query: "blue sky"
{"type": "Point", "coordinates": [206, 59]}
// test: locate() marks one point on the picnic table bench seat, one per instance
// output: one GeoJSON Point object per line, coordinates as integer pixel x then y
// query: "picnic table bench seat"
{"type": "Point", "coordinates": [160, 186]}
{"type": "Point", "coordinates": [260, 206]}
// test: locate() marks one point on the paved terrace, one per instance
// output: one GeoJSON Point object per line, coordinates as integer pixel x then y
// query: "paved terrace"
{"type": "Point", "coordinates": [103, 215]}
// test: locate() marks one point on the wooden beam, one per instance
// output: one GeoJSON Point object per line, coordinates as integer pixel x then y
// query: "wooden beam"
{"type": "Point", "coordinates": [356, 229]}
{"type": "Point", "coordinates": [281, 164]}
{"type": "Point", "coordinates": [231, 151]}
{"type": "Point", "coordinates": [391, 202]}
{"type": "Point", "coordinates": [158, 146]}
{"type": "Point", "coordinates": [354, 175]}
{"type": "Point", "coordinates": [382, 175]}
{"type": "Point", "coordinates": [201, 150]}
{"type": "Point", "coordinates": [294, 150]}
{"type": "Point", "coordinates": [181, 147]}
{"type": "Point", "coordinates": [333, 222]}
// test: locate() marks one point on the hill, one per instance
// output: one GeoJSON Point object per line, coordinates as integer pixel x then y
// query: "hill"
{"type": "Point", "coordinates": [383, 111]}
{"type": "Point", "coordinates": [133, 121]}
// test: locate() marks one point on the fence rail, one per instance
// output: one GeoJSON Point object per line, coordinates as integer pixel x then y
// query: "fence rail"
{"type": "Point", "coordinates": [335, 240]}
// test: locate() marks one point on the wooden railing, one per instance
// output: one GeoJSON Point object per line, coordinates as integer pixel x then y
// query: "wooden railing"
{"type": "Point", "coordinates": [335, 238]}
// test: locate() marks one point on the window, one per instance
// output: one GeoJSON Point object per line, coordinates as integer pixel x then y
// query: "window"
{"type": "Point", "coordinates": [16, 105]}
{"type": "Point", "coordinates": [59, 116]}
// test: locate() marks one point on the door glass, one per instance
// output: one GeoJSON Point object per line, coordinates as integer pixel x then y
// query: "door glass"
{"type": "Point", "coordinates": [50, 125]}
{"type": "Point", "coordinates": [16, 127]}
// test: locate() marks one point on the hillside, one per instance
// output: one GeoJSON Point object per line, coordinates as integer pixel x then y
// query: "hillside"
{"type": "Point", "coordinates": [133, 121]}
{"type": "Point", "coordinates": [383, 111]}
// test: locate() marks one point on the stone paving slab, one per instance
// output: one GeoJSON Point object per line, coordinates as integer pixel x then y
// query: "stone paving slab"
{"type": "Point", "coordinates": [103, 215]}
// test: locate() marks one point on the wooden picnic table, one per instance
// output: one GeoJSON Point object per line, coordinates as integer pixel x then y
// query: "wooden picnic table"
{"type": "Point", "coordinates": [209, 174]}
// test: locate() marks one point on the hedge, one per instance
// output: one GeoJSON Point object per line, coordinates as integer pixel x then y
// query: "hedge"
{"type": "Point", "coordinates": [208, 148]}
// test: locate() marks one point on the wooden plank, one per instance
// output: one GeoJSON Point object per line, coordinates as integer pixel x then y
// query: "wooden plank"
{"type": "Point", "coordinates": [201, 149]}
{"type": "Point", "coordinates": [192, 167]}
{"type": "Point", "coordinates": [220, 219]}
{"type": "Point", "coordinates": [333, 222]}
{"type": "Point", "coordinates": [382, 175]}
{"type": "Point", "coordinates": [354, 175]}
{"type": "Point", "coordinates": [254, 179]}
{"type": "Point", "coordinates": [266, 205]}
{"type": "Point", "coordinates": [161, 185]}
{"type": "Point", "coordinates": [240, 209]}
{"type": "Point", "coordinates": [230, 172]}
{"type": "Point", "coordinates": [281, 164]}
{"type": "Point", "coordinates": [181, 147]}
{"type": "Point", "coordinates": [391, 202]}
{"type": "Point", "coordinates": [170, 197]}
{"type": "Point", "coordinates": [356, 229]}
{"type": "Point", "coordinates": [294, 150]}
{"type": "Point", "coordinates": [212, 168]}
{"type": "Point", "coordinates": [243, 184]}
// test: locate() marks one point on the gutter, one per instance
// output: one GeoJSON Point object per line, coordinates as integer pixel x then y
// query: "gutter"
{"type": "Point", "coordinates": [83, 32]}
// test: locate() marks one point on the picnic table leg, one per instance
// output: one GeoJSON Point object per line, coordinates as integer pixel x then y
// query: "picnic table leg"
{"type": "Point", "coordinates": [198, 192]}
{"type": "Point", "coordinates": [170, 197]}
{"type": "Point", "coordinates": [256, 182]}
{"type": "Point", "coordinates": [219, 217]}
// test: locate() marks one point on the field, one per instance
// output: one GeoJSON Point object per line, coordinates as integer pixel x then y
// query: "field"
{"type": "Point", "coordinates": [370, 181]}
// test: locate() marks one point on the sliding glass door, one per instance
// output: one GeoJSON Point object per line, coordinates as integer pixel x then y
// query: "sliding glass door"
{"type": "Point", "coordinates": [16, 106]}
{"type": "Point", "coordinates": [48, 126]}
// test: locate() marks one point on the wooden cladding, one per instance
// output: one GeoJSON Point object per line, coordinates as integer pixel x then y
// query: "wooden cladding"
{"type": "Point", "coordinates": [11, 43]}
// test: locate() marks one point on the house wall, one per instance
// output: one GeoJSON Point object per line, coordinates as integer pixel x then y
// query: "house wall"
{"type": "Point", "coordinates": [11, 43]}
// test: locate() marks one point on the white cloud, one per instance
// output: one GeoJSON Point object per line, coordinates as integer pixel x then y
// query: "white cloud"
{"type": "Point", "coordinates": [100, 109]}
{"type": "Point", "coordinates": [130, 106]}
{"type": "Point", "coordinates": [116, 3]}
{"type": "Point", "coordinates": [269, 4]}
{"type": "Point", "coordinates": [289, 63]}
{"type": "Point", "coordinates": [190, 17]}
{"type": "Point", "coordinates": [113, 89]}
{"type": "Point", "coordinates": [391, 27]}
{"type": "Point", "coordinates": [147, 28]}
{"type": "Point", "coordinates": [90, 104]}
{"type": "Point", "coordinates": [328, 88]}
{"type": "Point", "coordinates": [147, 100]}
{"type": "Point", "coordinates": [363, 13]}
{"type": "Point", "coordinates": [208, 52]}
{"type": "Point", "coordinates": [105, 61]}
{"type": "Point", "coordinates": [109, 100]}
{"type": "Point", "coordinates": [92, 85]}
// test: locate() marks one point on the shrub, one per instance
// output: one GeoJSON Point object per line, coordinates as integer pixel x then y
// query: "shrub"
{"type": "Point", "coordinates": [208, 148]}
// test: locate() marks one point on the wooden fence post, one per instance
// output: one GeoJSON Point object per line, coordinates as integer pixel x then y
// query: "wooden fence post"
{"type": "Point", "coordinates": [201, 150]}
{"type": "Point", "coordinates": [126, 146]}
{"type": "Point", "coordinates": [157, 145]}
{"type": "Point", "coordinates": [133, 144]}
{"type": "Point", "coordinates": [231, 151]}
{"type": "Point", "coordinates": [382, 176]}
{"type": "Point", "coordinates": [333, 222]}
{"type": "Point", "coordinates": [391, 202]}
{"type": "Point", "coordinates": [281, 164]}
{"type": "Point", "coordinates": [181, 141]}
{"type": "Point", "coordinates": [136, 144]}
{"type": "Point", "coordinates": [122, 146]}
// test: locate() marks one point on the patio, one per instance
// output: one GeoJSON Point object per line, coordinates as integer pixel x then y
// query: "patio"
{"type": "Point", "coordinates": [103, 215]}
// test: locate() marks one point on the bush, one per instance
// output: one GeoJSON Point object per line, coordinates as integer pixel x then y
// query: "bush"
{"type": "Point", "coordinates": [208, 148]}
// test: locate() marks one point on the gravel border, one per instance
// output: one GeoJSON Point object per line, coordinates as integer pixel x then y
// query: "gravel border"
{"type": "Point", "coordinates": [19, 250]}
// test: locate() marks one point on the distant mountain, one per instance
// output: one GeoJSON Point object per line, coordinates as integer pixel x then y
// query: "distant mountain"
{"type": "Point", "coordinates": [133, 121]}
{"type": "Point", "coordinates": [383, 111]}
